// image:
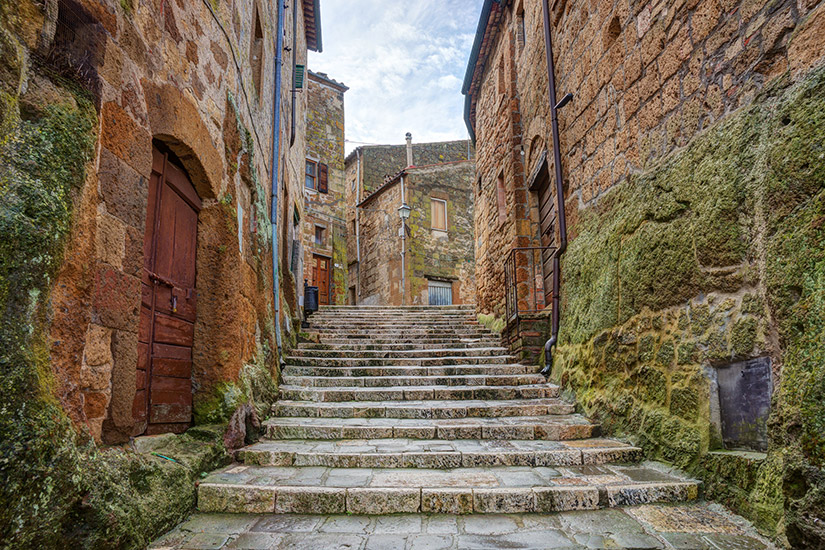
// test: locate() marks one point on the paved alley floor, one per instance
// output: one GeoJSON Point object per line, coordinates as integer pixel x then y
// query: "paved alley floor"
{"type": "Point", "coordinates": [695, 526]}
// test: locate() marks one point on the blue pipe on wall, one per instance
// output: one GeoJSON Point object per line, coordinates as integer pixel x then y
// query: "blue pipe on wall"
{"type": "Point", "coordinates": [276, 154]}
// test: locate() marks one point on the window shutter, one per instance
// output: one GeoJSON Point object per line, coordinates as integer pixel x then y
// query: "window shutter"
{"type": "Point", "coordinates": [323, 171]}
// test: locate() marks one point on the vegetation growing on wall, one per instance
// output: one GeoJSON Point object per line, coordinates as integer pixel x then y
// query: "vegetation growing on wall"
{"type": "Point", "coordinates": [714, 255]}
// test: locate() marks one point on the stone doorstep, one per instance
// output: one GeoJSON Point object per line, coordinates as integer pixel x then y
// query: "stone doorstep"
{"type": "Point", "coordinates": [469, 380]}
{"type": "Point", "coordinates": [556, 428]}
{"type": "Point", "coordinates": [417, 393]}
{"type": "Point", "coordinates": [423, 409]}
{"type": "Point", "coordinates": [471, 456]}
{"type": "Point", "coordinates": [262, 499]}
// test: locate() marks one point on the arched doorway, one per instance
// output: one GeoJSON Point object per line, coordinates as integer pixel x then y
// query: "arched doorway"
{"type": "Point", "coordinates": [163, 400]}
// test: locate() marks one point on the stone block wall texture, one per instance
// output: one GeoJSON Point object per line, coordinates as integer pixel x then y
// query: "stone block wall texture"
{"type": "Point", "coordinates": [85, 88]}
{"type": "Point", "coordinates": [693, 182]}
{"type": "Point", "coordinates": [433, 254]}
{"type": "Point", "coordinates": [376, 279]}
{"type": "Point", "coordinates": [325, 144]}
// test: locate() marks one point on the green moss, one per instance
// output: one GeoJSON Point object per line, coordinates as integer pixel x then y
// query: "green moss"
{"type": "Point", "coordinates": [491, 322]}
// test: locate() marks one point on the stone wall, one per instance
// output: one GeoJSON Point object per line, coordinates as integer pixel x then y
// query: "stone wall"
{"type": "Point", "coordinates": [86, 89]}
{"type": "Point", "coordinates": [433, 254]}
{"type": "Point", "coordinates": [325, 145]}
{"type": "Point", "coordinates": [380, 266]}
{"type": "Point", "coordinates": [691, 164]}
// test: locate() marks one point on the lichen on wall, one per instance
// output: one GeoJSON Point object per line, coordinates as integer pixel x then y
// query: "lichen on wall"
{"type": "Point", "coordinates": [716, 254]}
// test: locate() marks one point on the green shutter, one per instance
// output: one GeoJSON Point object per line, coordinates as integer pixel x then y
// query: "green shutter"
{"type": "Point", "coordinates": [299, 77]}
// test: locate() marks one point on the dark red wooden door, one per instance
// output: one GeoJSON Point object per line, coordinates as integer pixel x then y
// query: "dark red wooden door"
{"type": "Point", "coordinates": [320, 278]}
{"type": "Point", "coordinates": [547, 226]}
{"type": "Point", "coordinates": [163, 402]}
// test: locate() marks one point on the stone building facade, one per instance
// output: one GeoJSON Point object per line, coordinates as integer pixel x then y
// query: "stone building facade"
{"type": "Point", "coordinates": [325, 229]}
{"type": "Point", "coordinates": [691, 181]}
{"type": "Point", "coordinates": [160, 308]}
{"type": "Point", "coordinates": [434, 180]}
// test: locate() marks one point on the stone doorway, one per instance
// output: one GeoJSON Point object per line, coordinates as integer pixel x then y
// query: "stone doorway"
{"type": "Point", "coordinates": [163, 398]}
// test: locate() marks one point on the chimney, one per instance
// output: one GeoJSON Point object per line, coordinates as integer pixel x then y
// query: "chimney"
{"type": "Point", "coordinates": [409, 150]}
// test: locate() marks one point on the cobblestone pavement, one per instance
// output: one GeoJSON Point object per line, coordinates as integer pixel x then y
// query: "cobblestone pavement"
{"type": "Point", "coordinates": [695, 526]}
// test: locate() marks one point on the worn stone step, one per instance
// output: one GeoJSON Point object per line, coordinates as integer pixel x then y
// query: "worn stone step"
{"type": "Point", "coordinates": [402, 353]}
{"type": "Point", "coordinates": [324, 340]}
{"type": "Point", "coordinates": [436, 453]}
{"type": "Point", "coordinates": [361, 307]}
{"type": "Point", "coordinates": [417, 393]}
{"type": "Point", "coordinates": [423, 409]}
{"type": "Point", "coordinates": [443, 370]}
{"type": "Point", "coordinates": [401, 381]}
{"type": "Point", "coordinates": [551, 428]}
{"type": "Point", "coordinates": [399, 362]}
{"type": "Point", "coordinates": [366, 346]}
{"type": "Point", "coordinates": [365, 321]}
{"type": "Point", "coordinates": [383, 491]}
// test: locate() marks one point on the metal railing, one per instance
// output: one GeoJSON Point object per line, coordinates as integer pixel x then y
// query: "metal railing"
{"type": "Point", "coordinates": [524, 280]}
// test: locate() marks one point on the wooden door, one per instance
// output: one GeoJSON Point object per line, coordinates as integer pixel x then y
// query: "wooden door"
{"type": "Point", "coordinates": [320, 278]}
{"type": "Point", "coordinates": [547, 226]}
{"type": "Point", "coordinates": [163, 402]}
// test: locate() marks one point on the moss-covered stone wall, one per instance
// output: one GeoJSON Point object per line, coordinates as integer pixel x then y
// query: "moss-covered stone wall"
{"type": "Point", "coordinates": [715, 254]}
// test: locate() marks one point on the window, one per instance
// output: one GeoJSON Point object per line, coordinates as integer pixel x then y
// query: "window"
{"type": "Point", "coordinates": [501, 197]}
{"type": "Point", "coordinates": [320, 235]}
{"type": "Point", "coordinates": [438, 208]}
{"type": "Point", "coordinates": [317, 174]}
{"type": "Point", "coordinates": [256, 51]}
{"type": "Point", "coordinates": [312, 174]}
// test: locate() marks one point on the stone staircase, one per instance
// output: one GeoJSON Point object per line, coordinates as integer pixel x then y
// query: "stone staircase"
{"type": "Point", "coordinates": [419, 409]}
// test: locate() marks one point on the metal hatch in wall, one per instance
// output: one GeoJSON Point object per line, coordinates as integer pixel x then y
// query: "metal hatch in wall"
{"type": "Point", "coordinates": [440, 293]}
{"type": "Point", "coordinates": [744, 390]}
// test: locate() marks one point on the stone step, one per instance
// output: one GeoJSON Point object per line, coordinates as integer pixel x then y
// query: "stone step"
{"type": "Point", "coordinates": [436, 453]}
{"type": "Point", "coordinates": [417, 393]}
{"type": "Point", "coordinates": [459, 334]}
{"type": "Point", "coordinates": [551, 428]}
{"type": "Point", "coordinates": [382, 491]}
{"type": "Point", "coordinates": [488, 341]}
{"type": "Point", "coordinates": [365, 346]}
{"type": "Point", "coordinates": [455, 307]}
{"type": "Point", "coordinates": [442, 370]}
{"type": "Point", "coordinates": [398, 362]}
{"type": "Point", "coordinates": [403, 381]}
{"type": "Point", "coordinates": [402, 353]}
{"type": "Point", "coordinates": [423, 409]}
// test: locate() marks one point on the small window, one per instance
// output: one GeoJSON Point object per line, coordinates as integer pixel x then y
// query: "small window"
{"type": "Point", "coordinates": [439, 214]}
{"type": "Point", "coordinates": [256, 51]}
{"type": "Point", "coordinates": [312, 175]}
{"type": "Point", "coordinates": [320, 235]}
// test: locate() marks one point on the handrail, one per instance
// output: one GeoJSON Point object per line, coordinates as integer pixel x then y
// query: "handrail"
{"type": "Point", "coordinates": [511, 281]}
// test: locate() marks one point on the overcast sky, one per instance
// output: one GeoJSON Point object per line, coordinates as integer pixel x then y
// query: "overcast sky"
{"type": "Point", "coordinates": [404, 63]}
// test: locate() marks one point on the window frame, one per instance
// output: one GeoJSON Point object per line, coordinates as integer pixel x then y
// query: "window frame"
{"type": "Point", "coordinates": [432, 218]}
{"type": "Point", "coordinates": [323, 240]}
{"type": "Point", "coordinates": [314, 174]}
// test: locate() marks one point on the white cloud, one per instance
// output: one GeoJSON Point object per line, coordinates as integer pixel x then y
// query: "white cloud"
{"type": "Point", "coordinates": [404, 63]}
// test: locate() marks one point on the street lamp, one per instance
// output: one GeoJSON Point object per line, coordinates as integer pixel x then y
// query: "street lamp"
{"type": "Point", "coordinates": [404, 213]}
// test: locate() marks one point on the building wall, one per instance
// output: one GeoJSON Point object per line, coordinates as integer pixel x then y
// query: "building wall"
{"type": "Point", "coordinates": [434, 254]}
{"type": "Point", "coordinates": [325, 144]}
{"type": "Point", "coordinates": [188, 84]}
{"type": "Point", "coordinates": [380, 267]}
{"type": "Point", "coordinates": [688, 186]}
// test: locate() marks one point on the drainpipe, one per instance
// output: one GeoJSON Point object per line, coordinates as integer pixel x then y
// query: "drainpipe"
{"type": "Point", "coordinates": [404, 237]}
{"type": "Point", "coordinates": [294, 67]}
{"type": "Point", "coordinates": [276, 155]}
{"type": "Point", "coordinates": [358, 219]}
{"type": "Point", "coordinates": [554, 107]}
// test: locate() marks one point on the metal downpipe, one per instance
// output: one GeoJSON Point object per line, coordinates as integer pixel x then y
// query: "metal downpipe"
{"type": "Point", "coordinates": [554, 107]}
{"type": "Point", "coordinates": [276, 154]}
